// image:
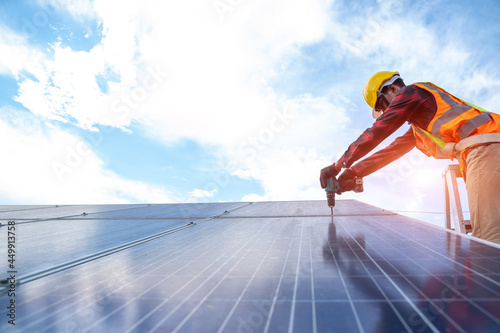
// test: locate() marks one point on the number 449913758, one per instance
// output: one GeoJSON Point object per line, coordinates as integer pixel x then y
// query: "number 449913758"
{"type": "Point", "coordinates": [11, 241]}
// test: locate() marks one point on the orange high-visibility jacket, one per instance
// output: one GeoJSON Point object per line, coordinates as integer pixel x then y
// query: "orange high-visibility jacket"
{"type": "Point", "coordinates": [454, 120]}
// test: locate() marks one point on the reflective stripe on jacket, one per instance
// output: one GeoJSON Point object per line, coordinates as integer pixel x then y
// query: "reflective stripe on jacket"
{"type": "Point", "coordinates": [454, 120]}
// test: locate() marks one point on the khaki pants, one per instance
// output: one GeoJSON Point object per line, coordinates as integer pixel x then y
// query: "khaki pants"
{"type": "Point", "coordinates": [483, 188]}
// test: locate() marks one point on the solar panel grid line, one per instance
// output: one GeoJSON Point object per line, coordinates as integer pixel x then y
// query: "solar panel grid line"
{"type": "Point", "coordinates": [221, 214]}
{"type": "Point", "coordinates": [41, 296]}
{"type": "Point", "coordinates": [450, 259]}
{"type": "Point", "coordinates": [62, 241]}
{"type": "Point", "coordinates": [159, 323]}
{"type": "Point", "coordinates": [328, 283]}
{"type": "Point", "coordinates": [31, 220]}
{"type": "Point", "coordinates": [93, 210]}
{"type": "Point", "coordinates": [131, 328]}
{"type": "Point", "coordinates": [24, 209]}
{"type": "Point", "coordinates": [134, 298]}
{"type": "Point", "coordinates": [87, 215]}
{"type": "Point", "coordinates": [77, 300]}
{"type": "Point", "coordinates": [453, 288]}
{"type": "Point", "coordinates": [410, 302]}
{"type": "Point", "coordinates": [247, 285]}
{"type": "Point", "coordinates": [473, 302]}
{"type": "Point", "coordinates": [248, 282]}
{"type": "Point", "coordinates": [95, 256]}
{"type": "Point", "coordinates": [461, 235]}
{"type": "Point", "coordinates": [159, 255]}
{"type": "Point", "coordinates": [458, 292]}
{"type": "Point", "coordinates": [185, 320]}
{"type": "Point", "coordinates": [306, 215]}
{"type": "Point", "coordinates": [61, 300]}
{"type": "Point", "coordinates": [457, 327]}
{"type": "Point", "coordinates": [351, 303]}
{"type": "Point", "coordinates": [456, 262]}
{"type": "Point", "coordinates": [132, 281]}
{"type": "Point", "coordinates": [278, 287]}
{"type": "Point", "coordinates": [79, 218]}
{"type": "Point", "coordinates": [434, 304]}
{"type": "Point", "coordinates": [313, 297]}
{"type": "Point", "coordinates": [292, 311]}
{"type": "Point", "coordinates": [290, 265]}
{"type": "Point", "coordinates": [485, 264]}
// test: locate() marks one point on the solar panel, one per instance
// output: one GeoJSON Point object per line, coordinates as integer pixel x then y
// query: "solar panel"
{"type": "Point", "coordinates": [241, 267]}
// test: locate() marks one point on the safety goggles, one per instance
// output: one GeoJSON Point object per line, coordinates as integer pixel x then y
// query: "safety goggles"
{"type": "Point", "coordinates": [378, 104]}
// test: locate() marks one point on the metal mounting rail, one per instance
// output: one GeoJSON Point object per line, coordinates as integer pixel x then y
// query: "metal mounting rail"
{"type": "Point", "coordinates": [389, 213]}
{"type": "Point", "coordinates": [65, 217]}
{"type": "Point", "coordinates": [55, 269]}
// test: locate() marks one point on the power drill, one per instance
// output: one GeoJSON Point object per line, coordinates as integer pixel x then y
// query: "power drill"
{"type": "Point", "coordinates": [333, 186]}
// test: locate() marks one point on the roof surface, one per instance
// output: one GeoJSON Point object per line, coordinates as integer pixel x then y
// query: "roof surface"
{"type": "Point", "coordinates": [242, 267]}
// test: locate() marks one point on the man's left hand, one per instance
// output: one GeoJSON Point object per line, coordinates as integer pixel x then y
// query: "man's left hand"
{"type": "Point", "coordinates": [326, 173]}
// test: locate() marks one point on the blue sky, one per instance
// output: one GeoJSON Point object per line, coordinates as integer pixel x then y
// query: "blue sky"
{"type": "Point", "coordinates": [222, 100]}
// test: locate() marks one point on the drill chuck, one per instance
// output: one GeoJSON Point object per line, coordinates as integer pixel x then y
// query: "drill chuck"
{"type": "Point", "coordinates": [332, 188]}
{"type": "Point", "coordinates": [330, 197]}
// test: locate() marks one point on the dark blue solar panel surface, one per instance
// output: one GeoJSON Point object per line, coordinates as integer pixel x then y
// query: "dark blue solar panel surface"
{"type": "Point", "coordinates": [262, 267]}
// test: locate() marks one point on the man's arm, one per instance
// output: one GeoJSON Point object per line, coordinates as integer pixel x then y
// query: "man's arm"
{"type": "Point", "coordinates": [410, 104]}
{"type": "Point", "coordinates": [380, 159]}
{"type": "Point", "coordinates": [386, 124]}
{"type": "Point", "coordinates": [395, 150]}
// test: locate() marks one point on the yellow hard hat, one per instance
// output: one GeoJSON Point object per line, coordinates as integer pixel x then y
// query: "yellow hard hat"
{"type": "Point", "coordinates": [374, 85]}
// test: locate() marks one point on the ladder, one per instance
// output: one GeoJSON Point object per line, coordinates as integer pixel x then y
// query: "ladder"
{"type": "Point", "coordinates": [452, 200]}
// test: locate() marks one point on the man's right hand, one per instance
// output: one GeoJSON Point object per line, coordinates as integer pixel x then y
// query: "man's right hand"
{"type": "Point", "coordinates": [327, 173]}
{"type": "Point", "coordinates": [346, 180]}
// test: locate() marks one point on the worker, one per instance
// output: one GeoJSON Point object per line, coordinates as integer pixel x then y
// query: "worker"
{"type": "Point", "coordinates": [441, 126]}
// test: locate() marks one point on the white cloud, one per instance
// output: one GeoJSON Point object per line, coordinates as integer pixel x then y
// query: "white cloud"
{"type": "Point", "coordinates": [286, 156]}
{"type": "Point", "coordinates": [79, 9]}
{"type": "Point", "coordinates": [66, 88]}
{"type": "Point", "coordinates": [15, 55]}
{"type": "Point", "coordinates": [198, 193]}
{"type": "Point", "coordinates": [45, 165]}
{"type": "Point", "coordinates": [217, 69]}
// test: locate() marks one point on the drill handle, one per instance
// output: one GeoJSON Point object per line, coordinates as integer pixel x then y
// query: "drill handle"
{"type": "Point", "coordinates": [332, 185]}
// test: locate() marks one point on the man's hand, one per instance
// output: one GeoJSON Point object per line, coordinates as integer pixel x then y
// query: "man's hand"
{"type": "Point", "coordinates": [327, 173]}
{"type": "Point", "coordinates": [346, 180]}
